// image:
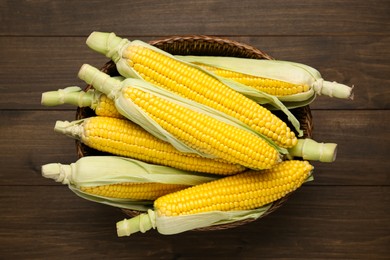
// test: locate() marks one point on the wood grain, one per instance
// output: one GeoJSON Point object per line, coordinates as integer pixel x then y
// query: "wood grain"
{"type": "Point", "coordinates": [342, 214]}
{"type": "Point", "coordinates": [213, 17]}
{"type": "Point", "coordinates": [361, 159]}
{"type": "Point", "coordinates": [33, 65]}
{"type": "Point", "coordinates": [329, 222]}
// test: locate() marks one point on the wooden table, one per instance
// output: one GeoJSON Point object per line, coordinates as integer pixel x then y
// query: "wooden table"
{"type": "Point", "coordinates": [342, 214]}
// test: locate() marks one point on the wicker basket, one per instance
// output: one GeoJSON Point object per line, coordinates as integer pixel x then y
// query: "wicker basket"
{"type": "Point", "coordinates": [206, 46]}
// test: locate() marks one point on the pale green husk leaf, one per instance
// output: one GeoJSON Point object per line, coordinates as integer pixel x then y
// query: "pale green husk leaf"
{"type": "Point", "coordinates": [103, 170]}
{"type": "Point", "coordinates": [174, 225]}
{"type": "Point", "coordinates": [272, 69]}
{"type": "Point", "coordinates": [287, 71]}
{"type": "Point", "coordinates": [92, 171]}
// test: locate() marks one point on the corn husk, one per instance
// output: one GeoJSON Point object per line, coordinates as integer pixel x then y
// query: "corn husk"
{"type": "Point", "coordinates": [286, 71]}
{"type": "Point", "coordinates": [92, 171]}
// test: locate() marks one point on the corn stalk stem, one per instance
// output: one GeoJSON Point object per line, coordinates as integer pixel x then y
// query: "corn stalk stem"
{"type": "Point", "coordinates": [101, 81]}
{"type": "Point", "coordinates": [72, 129]}
{"type": "Point", "coordinates": [70, 95]}
{"type": "Point", "coordinates": [140, 223]}
{"type": "Point", "coordinates": [311, 150]}
{"type": "Point", "coordinates": [58, 172]}
{"type": "Point", "coordinates": [334, 89]}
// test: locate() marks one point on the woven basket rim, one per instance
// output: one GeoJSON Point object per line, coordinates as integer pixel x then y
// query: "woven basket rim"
{"type": "Point", "coordinates": [226, 47]}
{"type": "Point", "coordinates": [255, 53]}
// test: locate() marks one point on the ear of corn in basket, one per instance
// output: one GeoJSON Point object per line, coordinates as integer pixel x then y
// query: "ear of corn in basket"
{"type": "Point", "coordinates": [187, 125]}
{"type": "Point", "coordinates": [121, 182]}
{"type": "Point", "coordinates": [293, 83]}
{"type": "Point", "coordinates": [229, 199]}
{"type": "Point", "coordinates": [140, 60]}
{"type": "Point", "coordinates": [124, 138]}
{"type": "Point", "coordinates": [178, 112]}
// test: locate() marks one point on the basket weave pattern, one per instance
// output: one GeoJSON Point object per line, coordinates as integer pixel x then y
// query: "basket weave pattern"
{"type": "Point", "coordinates": [203, 46]}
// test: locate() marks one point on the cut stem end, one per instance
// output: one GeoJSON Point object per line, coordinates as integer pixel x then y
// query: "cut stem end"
{"type": "Point", "coordinates": [72, 129]}
{"type": "Point", "coordinates": [70, 95]}
{"type": "Point", "coordinates": [311, 150]}
{"type": "Point", "coordinates": [140, 223]}
{"type": "Point", "coordinates": [99, 80]}
{"type": "Point", "coordinates": [58, 172]}
{"type": "Point", "coordinates": [337, 90]}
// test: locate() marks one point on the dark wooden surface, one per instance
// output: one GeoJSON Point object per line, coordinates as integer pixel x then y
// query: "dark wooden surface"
{"type": "Point", "coordinates": [342, 214]}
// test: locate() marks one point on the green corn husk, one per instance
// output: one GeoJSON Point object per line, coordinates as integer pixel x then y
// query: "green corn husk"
{"type": "Point", "coordinates": [113, 47]}
{"type": "Point", "coordinates": [92, 171]}
{"type": "Point", "coordinates": [287, 71]}
{"type": "Point", "coordinates": [180, 224]}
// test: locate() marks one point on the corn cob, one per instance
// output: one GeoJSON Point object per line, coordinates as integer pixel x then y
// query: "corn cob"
{"type": "Point", "coordinates": [187, 125]}
{"type": "Point", "coordinates": [291, 82]}
{"type": "Point", "coordinates": [120, 91]}
{"type": "Point", "coordinates": [138, 59]}
{"type": "Point", "coordinates": [243, 191]}
{"type": "Point", "coordinates": [120, 181]}
{"type": "Point", "coordinates": [238, 193]}
{"type": "Point", "coordinates": [100, 103]}
{"type": "Point", "coordinates": [137, 191]}
{"type": "Point", "coordinates": [124, 138]}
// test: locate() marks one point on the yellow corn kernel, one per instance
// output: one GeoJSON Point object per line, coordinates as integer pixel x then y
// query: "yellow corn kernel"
{"type": "Point", "coordinates": [106, 107]}
{"type": "Point", "coordinates": [124, 138]}
{"type": "Point", "coordinates": [196, 85]}
{"type": "Point", "coordinates": [205, 133]}
{"type": "Point", "coordinates": [270, 86]}
{"type": "Point", "coordinates": [244, 191]}
{"type": "Point", "coordinates": [136, 191]}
